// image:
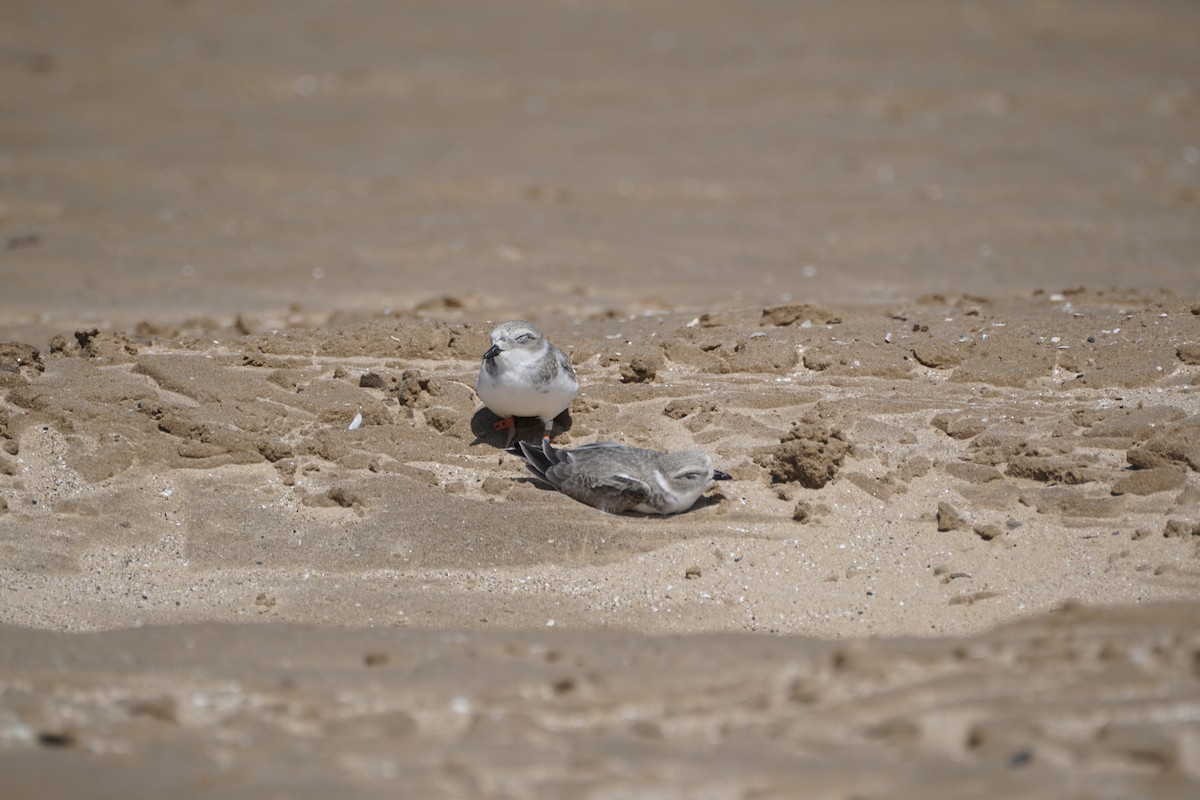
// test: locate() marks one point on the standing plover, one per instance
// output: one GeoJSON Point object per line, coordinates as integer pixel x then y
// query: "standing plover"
{"type": "Point", "coordinates": [524, 375]}
{"type": "Point", "coordinates": [616, 478]}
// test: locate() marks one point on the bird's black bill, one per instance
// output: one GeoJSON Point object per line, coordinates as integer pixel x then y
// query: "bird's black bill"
{"type": "Point", "coordinates": [492, 352]}
{"type": "Point", "coordinates": [721, 476]}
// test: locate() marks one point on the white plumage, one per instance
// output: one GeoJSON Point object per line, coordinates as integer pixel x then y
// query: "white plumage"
{"type": "Point", "coordinates": [524, 375]}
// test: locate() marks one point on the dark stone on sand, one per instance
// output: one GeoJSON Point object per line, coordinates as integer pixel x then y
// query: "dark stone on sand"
{"type": "Point", "coordinates": [372, 380]}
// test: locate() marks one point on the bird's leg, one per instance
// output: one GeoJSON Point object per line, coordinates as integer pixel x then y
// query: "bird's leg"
{"type": "Point", "coordinates": [511, 424]}
{"type": "Point", "coordinates": [548, 429]}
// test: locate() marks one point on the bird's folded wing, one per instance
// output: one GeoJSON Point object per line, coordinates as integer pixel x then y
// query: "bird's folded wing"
{"type": "Point", "coordinates": [612, 493]}
{"type": "Point", "coordinates": [537, 458]}
{"type": "Point", "coordinates": [564, 363]}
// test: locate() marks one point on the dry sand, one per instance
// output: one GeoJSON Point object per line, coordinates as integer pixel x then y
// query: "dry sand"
{"type": "Point", "coordinates": [923, 277]}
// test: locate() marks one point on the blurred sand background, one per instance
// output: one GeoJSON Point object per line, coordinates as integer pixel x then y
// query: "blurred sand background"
{"type": "Point", "coordinates": [924, 277]}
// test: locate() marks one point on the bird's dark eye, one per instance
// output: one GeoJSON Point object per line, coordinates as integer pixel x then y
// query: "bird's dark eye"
{"type": "Point", "coordinates": [525, 338]}
{"type": "Point", "coordinates": [690, 476]}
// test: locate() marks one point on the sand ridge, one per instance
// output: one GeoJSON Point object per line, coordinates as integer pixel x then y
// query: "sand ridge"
{"type": "Point", "coordinates": [1022, 710]}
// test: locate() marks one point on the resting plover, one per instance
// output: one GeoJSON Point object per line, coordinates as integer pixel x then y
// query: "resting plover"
{"type": "Point", "coordinates": [616, 478]}
{"type": "Point", "coordinates": [524, 375]}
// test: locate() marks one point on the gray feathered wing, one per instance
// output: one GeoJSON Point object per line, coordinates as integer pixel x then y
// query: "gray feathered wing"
{"type": "Point", "coordinates": [564, 363]}
{"type": "Point", "coordinates": [611, 492]}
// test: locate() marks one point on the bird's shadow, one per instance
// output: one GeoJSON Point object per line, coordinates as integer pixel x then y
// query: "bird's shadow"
{"type": "Point", "coordinates": [706, 500]}
{"type": "Point", "coordinates": [529, 429]}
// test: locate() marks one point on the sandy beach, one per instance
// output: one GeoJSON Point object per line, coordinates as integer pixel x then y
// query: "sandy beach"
{"type": "Point", "coordinates": [922, 277]}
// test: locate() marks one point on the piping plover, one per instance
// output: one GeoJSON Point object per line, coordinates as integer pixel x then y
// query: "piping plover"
{"type": "Point", "coordinates": [616, 478]}
{"type": "Point", "coordinates": [524, 375]}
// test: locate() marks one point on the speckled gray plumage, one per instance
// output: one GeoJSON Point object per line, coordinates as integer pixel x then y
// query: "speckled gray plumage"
{"type": "Point", "coordinates": [616, 478]}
